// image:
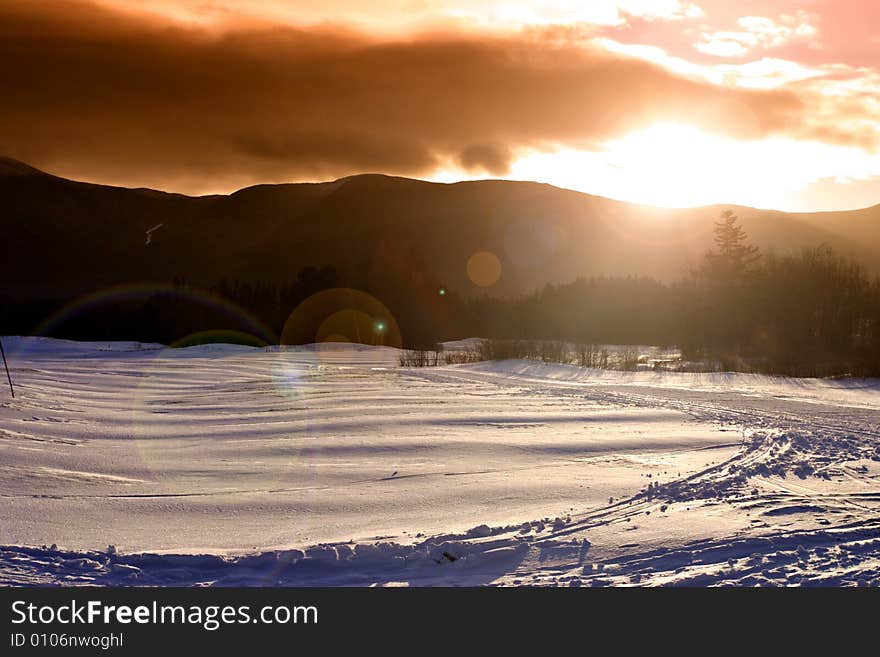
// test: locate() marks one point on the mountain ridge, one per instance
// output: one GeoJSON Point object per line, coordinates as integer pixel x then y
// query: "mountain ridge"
{"type": "Point", "coordinates": [10, 163]}
{"type": "Point", "coordinates": [74, 237]}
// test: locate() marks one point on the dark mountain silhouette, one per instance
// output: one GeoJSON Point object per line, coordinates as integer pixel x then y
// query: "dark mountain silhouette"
{"type": "Point", "coordinates": [64, 238]}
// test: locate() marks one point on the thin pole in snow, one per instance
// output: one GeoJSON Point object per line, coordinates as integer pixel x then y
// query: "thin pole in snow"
{"type": "Point", "coordinates": [6, 366]}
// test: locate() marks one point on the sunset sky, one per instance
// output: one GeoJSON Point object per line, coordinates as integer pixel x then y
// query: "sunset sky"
{"type": "Point", "coordinates": [767, 103]}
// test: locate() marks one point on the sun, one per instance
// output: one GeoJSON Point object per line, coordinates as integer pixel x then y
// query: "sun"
{"type": "Point", "coordinates": [664, 164]}
{"type": "Point", "coordinates": [675, 164]}
{"type": "Point", "coordinates": [681, 165]}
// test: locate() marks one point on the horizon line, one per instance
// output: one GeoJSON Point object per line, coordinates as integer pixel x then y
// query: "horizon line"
{"type": "Point", "coordinates": [32, 168]}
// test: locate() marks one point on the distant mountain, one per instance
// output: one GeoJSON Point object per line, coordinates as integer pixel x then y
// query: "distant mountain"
{"type": "Point", "coordinates": [63, 237]}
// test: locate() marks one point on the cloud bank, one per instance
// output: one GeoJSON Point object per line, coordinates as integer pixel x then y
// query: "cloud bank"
{"type": "Point", "coordinates": [106, 95]}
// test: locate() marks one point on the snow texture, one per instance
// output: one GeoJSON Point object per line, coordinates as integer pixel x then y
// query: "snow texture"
{"type": "Point", "coordinates": [133, 464]}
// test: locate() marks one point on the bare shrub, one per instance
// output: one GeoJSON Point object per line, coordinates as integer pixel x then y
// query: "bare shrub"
{"type": "Point", "coordinates": [627, 360]}
{"type": "Point", "coordinates": [554, 352]}
{"type": "Point", "coordinates": [585, 355]}
{"type": "Point", "coordinates": [420, 357]}
{"type": "Point", "coordinates": [470, 354]}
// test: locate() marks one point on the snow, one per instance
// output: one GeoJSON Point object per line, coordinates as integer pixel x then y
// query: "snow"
{"type": "Point", "coordinates": [331, 465]}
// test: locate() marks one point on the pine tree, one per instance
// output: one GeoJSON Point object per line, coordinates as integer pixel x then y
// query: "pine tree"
{"type": "Point", "coordinates": [733, 255]}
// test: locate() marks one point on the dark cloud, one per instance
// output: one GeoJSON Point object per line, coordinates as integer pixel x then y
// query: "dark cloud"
{"type": "Point", "coordinates": [110, 96]}
{"type": "Point", "coordinates": [491, 158]}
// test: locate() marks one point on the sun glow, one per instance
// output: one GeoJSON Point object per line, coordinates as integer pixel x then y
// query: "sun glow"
{"type": "Point", "coordinates": [677, 165]}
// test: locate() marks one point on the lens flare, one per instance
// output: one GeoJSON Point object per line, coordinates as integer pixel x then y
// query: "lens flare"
{"type": "Point", "coordinates": [484, 268]}
{"type": "Point", "coordinates": [341, 315]}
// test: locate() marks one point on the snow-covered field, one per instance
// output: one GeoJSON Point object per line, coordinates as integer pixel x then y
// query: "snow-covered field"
{"type": "Point", "coordinates": [332, 465]}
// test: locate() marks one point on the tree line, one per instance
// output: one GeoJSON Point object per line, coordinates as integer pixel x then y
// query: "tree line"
{"type": "Point", "coordinates": [813, 313]}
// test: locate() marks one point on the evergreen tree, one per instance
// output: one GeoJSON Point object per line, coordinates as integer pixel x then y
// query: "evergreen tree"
{"type": "Point", "coordinates": [733, 255]}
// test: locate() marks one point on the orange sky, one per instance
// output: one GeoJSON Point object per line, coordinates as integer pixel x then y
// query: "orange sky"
{"type": "Point", "coordinates": [760, 102]}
